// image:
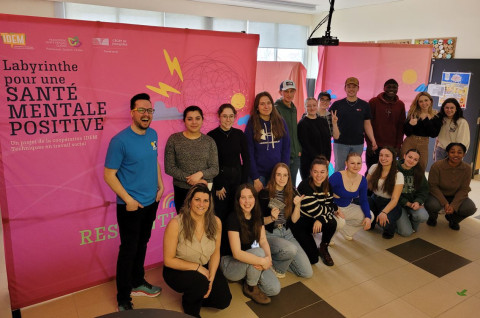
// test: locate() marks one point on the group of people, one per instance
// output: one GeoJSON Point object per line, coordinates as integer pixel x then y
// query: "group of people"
{"type": "Point", "coordinates": [240, 216]}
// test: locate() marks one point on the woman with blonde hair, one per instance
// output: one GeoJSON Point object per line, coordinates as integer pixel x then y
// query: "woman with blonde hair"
{"type": "Point", "coordinates": [421, 124]}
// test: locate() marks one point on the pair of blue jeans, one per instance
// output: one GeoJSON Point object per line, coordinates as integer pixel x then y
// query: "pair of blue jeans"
{"type": "Point", "coordinates": [410, 220]}
{"type": "Point", "coordinates": [287, 254]}
{"type": "Point", "coordinates": [341, 151]}
{"type": "Point", "coordinates": [236, 270]}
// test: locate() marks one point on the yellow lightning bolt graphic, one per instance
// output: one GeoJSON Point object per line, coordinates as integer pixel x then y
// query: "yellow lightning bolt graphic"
{"type": "Point", "coordinates": [173, 65]}
{"type": "Point", "coordinates": [163, 89]}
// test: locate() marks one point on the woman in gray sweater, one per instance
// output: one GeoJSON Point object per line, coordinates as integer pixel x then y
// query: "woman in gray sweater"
{"type": "Point", "coordinates": [190, 156]}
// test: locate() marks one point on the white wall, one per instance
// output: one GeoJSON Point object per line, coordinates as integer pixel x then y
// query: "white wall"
{"type": "Point", "coordinates": [44, 8]}
{"type": "Point", "coordinates": [406, 19]}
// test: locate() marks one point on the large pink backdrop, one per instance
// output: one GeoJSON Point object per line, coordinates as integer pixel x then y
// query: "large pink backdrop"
{"type": "Point", "coordinates": [373, 64]}
{"type": "Point", "coordinates": [65, 90]}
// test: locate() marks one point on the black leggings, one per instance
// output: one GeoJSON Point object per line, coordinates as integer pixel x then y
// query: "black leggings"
{"type": "Point", "coordinates": [302, 230]}
{"type": "Point", "coordinates": [194, 286]}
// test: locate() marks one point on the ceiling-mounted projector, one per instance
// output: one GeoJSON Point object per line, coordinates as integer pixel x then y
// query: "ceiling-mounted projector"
{"type": "Point", "coordinates": [325, 40]}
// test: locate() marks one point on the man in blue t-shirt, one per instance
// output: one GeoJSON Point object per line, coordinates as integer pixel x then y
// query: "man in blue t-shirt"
{"type": "Point", "coordinates": [353, 122]}
{"type": "Point", "coordinates": [133, 173]}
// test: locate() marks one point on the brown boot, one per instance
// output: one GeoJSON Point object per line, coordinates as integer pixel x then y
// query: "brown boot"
{"type": "Point", "coordinates": [255, 294]}
{"type": "Point", "coordinates": [324, 255]}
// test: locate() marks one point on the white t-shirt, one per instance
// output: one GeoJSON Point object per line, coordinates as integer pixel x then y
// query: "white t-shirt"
{"type": "Point", "coordinates": [379, 192]}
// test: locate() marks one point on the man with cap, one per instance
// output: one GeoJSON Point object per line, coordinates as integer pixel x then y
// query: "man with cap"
{"type": "Point", "coordinates": [353, 122]}
{"type": "Point", "coordinates": [388, 117]}
{"type": "Point", "coordinates": [287, 109]}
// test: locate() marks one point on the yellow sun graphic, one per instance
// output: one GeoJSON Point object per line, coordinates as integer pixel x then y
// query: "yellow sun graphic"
{"type": "Point", "coordinates": [238, 101]}
{"type": "Point", "coordinates": [409, 76]}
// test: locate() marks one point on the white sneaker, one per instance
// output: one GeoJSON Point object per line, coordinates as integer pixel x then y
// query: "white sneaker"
{"type": "Point", "coordinates": [345, 236]}
{"type": "Point", "coordinates": [279, 275]}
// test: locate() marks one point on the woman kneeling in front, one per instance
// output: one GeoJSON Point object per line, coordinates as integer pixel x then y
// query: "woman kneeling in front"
{"type": "Point", "coordinates": [191, 254]}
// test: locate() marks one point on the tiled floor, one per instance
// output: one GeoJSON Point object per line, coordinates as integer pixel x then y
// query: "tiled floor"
{"type": "Point", "coordinates": [433, 273]}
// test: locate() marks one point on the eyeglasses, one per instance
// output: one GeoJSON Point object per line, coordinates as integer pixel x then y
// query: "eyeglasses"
{"type": "Point", "coordinates": [325, 100]}
{"type": "Point", "coordinates": [228, 116]}
{"type": "Point", "coordinates": [143, 110]}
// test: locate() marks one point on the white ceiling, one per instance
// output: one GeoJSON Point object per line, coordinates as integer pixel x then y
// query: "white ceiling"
{"type": "Point", "coordinates": [299, 6]}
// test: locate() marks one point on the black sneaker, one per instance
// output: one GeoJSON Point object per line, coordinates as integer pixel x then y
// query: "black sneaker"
{"type": "Point", "coordinates": [125, 306]}
{"type": "Point", "coordinates": [387, 235]}
{"type": "Point", "coordinates": [431, 222]}
{"type": "Point", "coordinates": [451, 223]}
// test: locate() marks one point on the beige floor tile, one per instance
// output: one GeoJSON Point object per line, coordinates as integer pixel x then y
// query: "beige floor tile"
{"type": "Point", "coordinates": [467, 308]}
{"type": "Point", "coordinates": [467, 277]}
{"type": "Point", "coordinates": [61, 307]}
{"type": "Point", "coordinates": [403, 280]}
{"type": "Point", "coordinates": [370, 266]}
{"type": "Point", "coordinates": [396, 309]}
{"type": "Point", "coordinates": [469, 248]}
{"type": "Point", "coordinates": [5, 310]}
{"type": "Point", "coordinates": [434, 298]}
{"type": "Point", "coordinates": [360, 299]}
{"type": "Point", "coordinates": [328, 283]}
{"type": "Point", "coordinates": [96, 301]}
{"type": "Point", "coordinates": [441, 234]}
{"type": "Point", "coordinates": [236, 309]}
{"type": "Point", "coordinates": [470, 226]}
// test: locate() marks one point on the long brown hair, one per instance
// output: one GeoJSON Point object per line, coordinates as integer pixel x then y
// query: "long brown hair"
{"type": "Point", "coordinates": [415, 109]}
{"type": "Point", "coordinates": [389, 182]}
{"type": "Point", "coordinates": [189, 224]}
{"type": "Point", "coordinates": [287, 190]}
{"type": "Point", "coordinates": [325, 186]}
{"type": "Point", "coordinates": [276, 121]}
{"type": "Point", "coordinates": [245, 231]}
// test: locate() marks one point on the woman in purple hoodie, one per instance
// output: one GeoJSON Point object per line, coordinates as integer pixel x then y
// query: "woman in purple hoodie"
{"type": "Point", "coordinates": [267, 139]}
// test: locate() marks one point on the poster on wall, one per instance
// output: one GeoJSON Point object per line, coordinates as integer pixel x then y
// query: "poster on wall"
{"type": "Point", "coordinates": [64, 93]}
{"type": "Point", "coordinates": [456, 86]}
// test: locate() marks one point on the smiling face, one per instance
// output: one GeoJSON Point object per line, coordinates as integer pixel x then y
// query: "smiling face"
{"type": "Point", "coordinates": [246, 200]}
{"type": "Point", "coordinates": [142, 121]}
{"type": "Point", "coordinates": [312, 107]}
{"type": "Point", "coordinates": [281, 178]}
{"type": "Point", "coordinates": [227, 118]}
{"type": "Point", "coordinates": [265, 107]}
{"type": "Point", "coordinates": [200, 203]}
{"type": "Point", "coordinates": [288, 95]}
{"type": "Point", "coordinates": [385, 158]}
{"type": "Point", "coordinates": [354, 164]}
{"type": "Point", "coordinates": [324, 103]}
{"type": "Point", "coordinates": [319, 173]}
{"type": "Point", "coordinates": [351, 90]}
{"type": "Point", "coordinates": [193, 122]}
{"type": "Point", "coordinates": [411, 159]}
{"type": "Point", "coordinates": [391, 91]}
{"type": "Point", "coordinates": [455, 155]}
{"type": "Point", "coordinates": [424, 103]}
{"type": "Point", "coordinates": [450, 110]}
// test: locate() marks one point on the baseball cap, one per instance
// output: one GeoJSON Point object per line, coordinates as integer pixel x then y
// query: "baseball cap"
{"type": "Point", "coordinates": [351, 80]}
{"type": "Point", "coordinates": [287, 85]}
{"type": "Point", "coordinates": [324, 94]}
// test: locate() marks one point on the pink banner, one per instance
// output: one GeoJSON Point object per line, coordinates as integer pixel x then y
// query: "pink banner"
{"type": "Point", "coordinates": [373, 64]}
{"type": "Point", "coordinates": [65, 91]}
